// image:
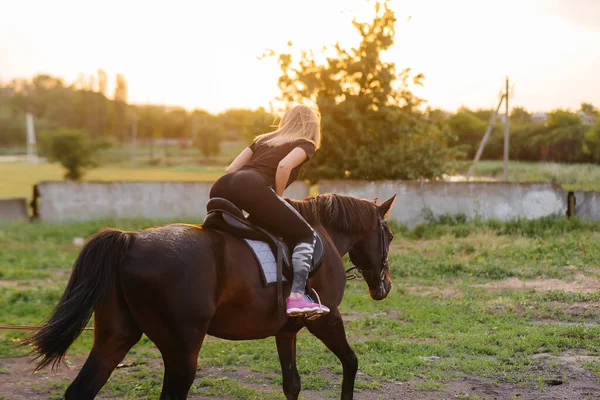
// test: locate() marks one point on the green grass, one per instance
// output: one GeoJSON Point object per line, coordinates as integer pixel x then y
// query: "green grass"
{"type": "Point", "coordinates": [570, 176]}
{"type": "Point", "coordinates": [439, 307]}
{"type": "Point", "coordinates": [18, 179]}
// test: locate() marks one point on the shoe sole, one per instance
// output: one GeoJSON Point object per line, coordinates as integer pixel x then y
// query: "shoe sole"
{"type": "Point", "coordinates": [307, 312]}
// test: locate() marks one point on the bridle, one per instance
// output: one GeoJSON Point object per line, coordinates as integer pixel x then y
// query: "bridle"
{"type": "Point", "coordinates": [384, 255]}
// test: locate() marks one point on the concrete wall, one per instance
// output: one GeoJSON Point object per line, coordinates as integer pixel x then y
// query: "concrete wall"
{"type": "Point", "coordinates": [587, 204]}
{"type": "Point", "coordinates": [63, 201]}
{"type": "Point", "coordinates": [13, 209]}
{"type": "Point", "coordinates": [504, 201]}
{"type": "Point", "coordinates": [67, 201]}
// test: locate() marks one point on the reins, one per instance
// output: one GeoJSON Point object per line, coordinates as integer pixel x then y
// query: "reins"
{"type": "Point", "coordinates": [384, 255]}
{"type": "Point", "coordinates": [351, 277]}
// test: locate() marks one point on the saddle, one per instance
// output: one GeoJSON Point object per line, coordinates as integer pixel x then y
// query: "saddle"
{"type": "Point", "coordinates": [222, 215]}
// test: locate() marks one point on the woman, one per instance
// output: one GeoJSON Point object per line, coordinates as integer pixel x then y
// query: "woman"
{"type": "Point", "coordinates": [255, 182]}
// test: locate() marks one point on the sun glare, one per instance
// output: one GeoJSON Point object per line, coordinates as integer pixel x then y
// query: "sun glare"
{"type": "Point", "coordinates": [204, 54]}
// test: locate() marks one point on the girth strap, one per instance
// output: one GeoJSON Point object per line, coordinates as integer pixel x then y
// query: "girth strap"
{"type": "Point", "coordinates": [280, 300]}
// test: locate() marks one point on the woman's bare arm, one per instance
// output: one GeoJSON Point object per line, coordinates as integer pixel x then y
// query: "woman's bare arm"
{"type": "Point", "coordinates": [285, 167]}
{"type": "Point", "coordinates": [242, 159]}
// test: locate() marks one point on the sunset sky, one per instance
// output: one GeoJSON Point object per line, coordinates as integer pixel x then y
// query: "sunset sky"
{"type": "Point", "coordinates": [203, 54]}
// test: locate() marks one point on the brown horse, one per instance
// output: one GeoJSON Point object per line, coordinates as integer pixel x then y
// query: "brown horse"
{"type": "Point", "coordinates": [178, 283]}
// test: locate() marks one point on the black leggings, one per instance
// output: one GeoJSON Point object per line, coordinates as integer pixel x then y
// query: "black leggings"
{"type": "Point", "coordinates": [249, 191]}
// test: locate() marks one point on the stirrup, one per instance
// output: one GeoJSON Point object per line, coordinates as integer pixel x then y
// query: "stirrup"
{"type": "Point", "coordinates": [319, 313]}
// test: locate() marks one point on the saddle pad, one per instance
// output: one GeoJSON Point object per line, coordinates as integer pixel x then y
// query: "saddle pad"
{"type": "Point", "coordinates": [266, 259]}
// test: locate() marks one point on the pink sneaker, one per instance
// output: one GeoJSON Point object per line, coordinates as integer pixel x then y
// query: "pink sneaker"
{"type": "Point", "coordinates": [305, 306]}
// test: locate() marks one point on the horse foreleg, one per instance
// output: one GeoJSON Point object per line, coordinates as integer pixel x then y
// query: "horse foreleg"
{"type": "Point", "coordinates": [330, 330]}
{"type": "Point", "coordinates": [286, 347]}
{"type": "Point", "coordinates": [180, 355]}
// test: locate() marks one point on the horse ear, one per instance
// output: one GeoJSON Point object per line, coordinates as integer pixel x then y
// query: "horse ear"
{"type": "Point", "coordinates": [386, 206]}
{"type": "Point", "coordinates": [375, 200]}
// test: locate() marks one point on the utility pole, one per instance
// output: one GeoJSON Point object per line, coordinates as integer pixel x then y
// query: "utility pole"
{"type": "Point", "coordinates": [31, 142]}
{"type": "Point", "coordinates": [506, 136]}
{"type": "Point", "coordinates": [485, 138]}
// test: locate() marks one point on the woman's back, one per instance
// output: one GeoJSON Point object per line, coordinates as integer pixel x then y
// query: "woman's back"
{"type": "Point", "coordinates": [265, 159]}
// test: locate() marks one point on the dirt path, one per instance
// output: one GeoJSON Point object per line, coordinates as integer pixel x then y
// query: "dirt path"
{"type": "Point", "coordinates": [568, 380]}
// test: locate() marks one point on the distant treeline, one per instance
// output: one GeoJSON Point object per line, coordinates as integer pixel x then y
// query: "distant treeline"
{"type": "Point", "coordinates": [560, 135]}
{"type": "Point", "coordinates": [85, 105]}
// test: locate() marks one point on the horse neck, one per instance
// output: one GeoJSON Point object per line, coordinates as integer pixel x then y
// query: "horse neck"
{"type": "Point", "coordinates": [342, 241]}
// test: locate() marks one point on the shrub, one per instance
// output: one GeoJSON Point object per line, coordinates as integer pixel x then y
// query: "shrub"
{"type": "Point", "coordinates": [73, 149]}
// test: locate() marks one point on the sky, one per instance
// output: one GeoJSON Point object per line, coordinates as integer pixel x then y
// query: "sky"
{"type": "Point", "coordinates": [205, 54]}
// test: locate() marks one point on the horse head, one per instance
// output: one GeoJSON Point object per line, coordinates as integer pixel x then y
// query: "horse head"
{"type": "Point", "coordinates": [369, 253]}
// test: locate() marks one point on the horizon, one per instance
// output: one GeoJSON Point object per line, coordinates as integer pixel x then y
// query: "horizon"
{"type": "Point", "coordinates": [554, 47]}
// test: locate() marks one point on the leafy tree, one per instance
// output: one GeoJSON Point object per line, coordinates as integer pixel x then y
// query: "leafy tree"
{"type": "Point", "coordinates": [177, 124]}
{"type": "Point", "coordinates": [102, 81]}
{"type": "Point", "coordinates": [589, 109]}
{"type": "Point", "coordinates": [120, 108]}
{"type": "Point", "coordinates": [12, 132]}
{"type": "Point", "coordinates": [562, 139]}
{"type": "Point", "coordinates": [519, 115]}
{"type": "Point", "coordinates": [73, 149]}
{"type": "Point", "coordinates": [469, 129]}
{"type": "Point", "coordinates": [246, 124]}
{"type": "Point", "coordinates": [209, 134]}
{"type": "Point", "coordinates": [591, 143]}
{"type": "Point", "coordinates": [524, 142]}
{"type": "Point", "coordinates": [372, 126]}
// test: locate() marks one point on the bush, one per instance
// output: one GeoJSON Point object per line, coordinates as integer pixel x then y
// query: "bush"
{"type": "Point", "coordinates": [12, 132]}
{"type": "Point", "coordinates": [209, 139]}
{"type": "Point", "coordinates": [459, 227]}
{"type": "Point", "coordinates": [73, 149]}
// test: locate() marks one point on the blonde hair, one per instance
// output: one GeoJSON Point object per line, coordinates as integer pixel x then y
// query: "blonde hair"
{"type": "Point", "coordinates": [298, 122]}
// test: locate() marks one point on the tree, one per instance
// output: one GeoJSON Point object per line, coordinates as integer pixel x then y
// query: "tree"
{"type": "Point", "coordinates": [519, 115]}
{"type": "Point", "coordinates": [469, 129]}
{"type": "Point", "coordinates": [209, 133]}
{"type": "Point", "coordinates": [177, 124]}
{"type": "Point", "coordinates": [589, 109]}
{"type": "Point", "coordinates": [372, 126]}
{"type": "Point", "coordinates": [562, 138]}
{"type": "Point", "coordinates": [591, 143]}
{"type": "Point", "coordinates": [120, 108]}
{"type": "Point", "coordinates": [245, 124]}
{"type": "Point", "coordinates": [73, 149]}
{"type": "Point", "coordinates": [102, 80]}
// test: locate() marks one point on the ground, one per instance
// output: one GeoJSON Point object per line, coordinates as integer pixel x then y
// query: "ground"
{"type": "Point", "coordinates": [484, 310]}
{"type": "Point", "coordinates": [571, 381]}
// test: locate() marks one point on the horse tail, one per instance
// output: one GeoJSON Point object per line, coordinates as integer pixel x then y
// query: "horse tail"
{"type": "Point", "coordinates": [92, 278]}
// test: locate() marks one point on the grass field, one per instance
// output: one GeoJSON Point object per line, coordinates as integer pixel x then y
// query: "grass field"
{"type": "Point", "coordinates": [570, 176]}
{"type": "Point", "coordinates": [18, 178]}
{"type": "Point", "coordinates": [480, 310]}
{"type": "Point", "coordinates": [169, 164]}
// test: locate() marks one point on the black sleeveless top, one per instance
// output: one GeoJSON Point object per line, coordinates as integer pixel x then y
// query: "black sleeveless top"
{"type": "Point", "coordinates": [265, 159]}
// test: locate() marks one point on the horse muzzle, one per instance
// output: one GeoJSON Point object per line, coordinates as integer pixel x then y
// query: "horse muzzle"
{"type": "Point", "coordinates": [382, 291]}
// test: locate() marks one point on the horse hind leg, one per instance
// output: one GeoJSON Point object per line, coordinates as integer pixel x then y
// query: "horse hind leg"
{"type": "Point", "coordinates": [115, 333]}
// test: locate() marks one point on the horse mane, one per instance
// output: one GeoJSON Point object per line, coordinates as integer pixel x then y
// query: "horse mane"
{"type": "Point", "coordinates": [342, 213]}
